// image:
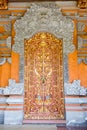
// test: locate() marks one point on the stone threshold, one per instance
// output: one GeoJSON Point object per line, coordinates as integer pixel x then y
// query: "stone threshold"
{"type": "Point", "coordinates": [62, 122]}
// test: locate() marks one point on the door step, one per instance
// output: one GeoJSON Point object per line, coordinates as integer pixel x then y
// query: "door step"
{"type": "Point", "coordinates": [44, 122]}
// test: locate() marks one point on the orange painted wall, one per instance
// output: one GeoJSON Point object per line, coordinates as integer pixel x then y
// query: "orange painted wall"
{"type": "Point", "coordinates": [82, 74]}
{"type": "Point", "coordinates": [73, 66]}
{"type": "Point", "coordinates": [5, 74]}
{"type": "Point", "coordinates": [75, 41]}
{"type": "Point", "coordinates": [9, 71]}
{"type": "Point", "coordinates": [15, 66]}
{"type": "Point", "coordinates": [77, 71]}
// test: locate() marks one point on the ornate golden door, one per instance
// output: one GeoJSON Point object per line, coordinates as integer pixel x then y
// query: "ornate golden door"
{"type": "Point", "coordinates": [43, 77]}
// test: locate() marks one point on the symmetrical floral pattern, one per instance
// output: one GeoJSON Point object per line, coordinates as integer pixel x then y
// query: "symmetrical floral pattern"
{"type": "Point", "coordinates": [43, 77]}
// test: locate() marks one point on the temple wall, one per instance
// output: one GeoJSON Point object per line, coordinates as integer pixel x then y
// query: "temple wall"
{"type": "Point", "coordinates": [21, 22]}
{"type": "Point", "coordinates": [77, 71]}
{"type": "Point", "coordinates": [9, 70]}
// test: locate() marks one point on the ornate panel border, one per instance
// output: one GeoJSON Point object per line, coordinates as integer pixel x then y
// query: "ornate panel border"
{"type": "Point", "coordinates": [44, 93]}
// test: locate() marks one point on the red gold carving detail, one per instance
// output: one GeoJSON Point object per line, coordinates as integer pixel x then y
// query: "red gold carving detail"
{"type": "Point", "coordinates": [82, 4]}
{"type": "Point", "coordinates": [44, 97]}
{"type": "Point", "coordinates": [3, 4]}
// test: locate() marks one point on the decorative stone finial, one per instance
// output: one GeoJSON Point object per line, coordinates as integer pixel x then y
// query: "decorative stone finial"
{"type": "Point", "coordinates": [82, 4]}
{"type": "Point", "coordinates": [3, 4]}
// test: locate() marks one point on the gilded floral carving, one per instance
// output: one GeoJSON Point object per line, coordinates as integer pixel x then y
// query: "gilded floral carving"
{"type": "Point", "coordinates": [3, 4]}
{"type": "Point", "coordinates": [82, 4]}
{"type": "Point", "coordinates": [43, 77]}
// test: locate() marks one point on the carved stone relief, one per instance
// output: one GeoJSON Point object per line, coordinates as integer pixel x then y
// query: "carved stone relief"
{"type": "Point", "coordinates": [80, 42]}
{"type": "Point", "coordinates": [80, 26]}
{"type": "Point", "coordinates": [13, 88]}
{"type": "Point", "coordinates": [2, 61]}
{"type": "Point", "coordinates": [43, 18]}
{"type": "Point", "coordinates": [8, 42]}
{"type": "Point", "coordinates": [7, 28]}
{"type": "Point", "coordinates": [75, 88]}
{"type": "Point", "coordinates": [84, 60]}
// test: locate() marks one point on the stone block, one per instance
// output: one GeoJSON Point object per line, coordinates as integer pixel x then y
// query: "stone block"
{"type": "Point", "coordinates": [2, 107]}
{"type": "Point", "coordinates": [13, 113]}
{"type": "Point", "coordinates": [1, 116]}
{"type": "Point", "coordinates": [75, 118]}
{"type": "Point", "coordinates": [13, 117]}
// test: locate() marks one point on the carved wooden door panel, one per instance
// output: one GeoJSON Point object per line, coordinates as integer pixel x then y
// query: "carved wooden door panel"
{"type": "Point", "coordinates": [43, 77]}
